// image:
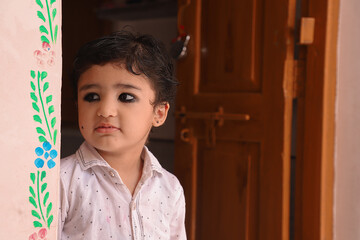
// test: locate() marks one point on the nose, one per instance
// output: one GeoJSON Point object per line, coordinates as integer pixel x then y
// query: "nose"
{"type": "Point", "coordinates": [107, 108]}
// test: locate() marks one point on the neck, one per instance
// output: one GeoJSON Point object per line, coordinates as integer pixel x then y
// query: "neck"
{"type": "Point", "coordinates": [129, 166]}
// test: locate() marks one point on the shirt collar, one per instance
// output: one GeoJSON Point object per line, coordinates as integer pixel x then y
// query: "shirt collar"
{"type": "Point", "coordinates": [151, 164]}
{"type": "Point", "coordinates": [88, 157]}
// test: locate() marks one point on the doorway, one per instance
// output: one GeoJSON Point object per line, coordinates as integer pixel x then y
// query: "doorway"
{"type": "Point", "coordinates": [234, 120]}
{"type": "Point", "coordinates": [196, 138]}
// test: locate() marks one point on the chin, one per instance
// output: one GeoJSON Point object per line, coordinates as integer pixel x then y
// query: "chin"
{"type": "Point", "coordinates": [108, 147]}
{"type": "Point", "coordinates": [105, 145]}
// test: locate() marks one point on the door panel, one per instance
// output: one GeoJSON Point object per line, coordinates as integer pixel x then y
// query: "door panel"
{"type": "Point", "coordinates": [231, 45]}
{"type": "Point", "coordinates": [228, 186]}
{"type": "Point", "coordinates": [233, 122]}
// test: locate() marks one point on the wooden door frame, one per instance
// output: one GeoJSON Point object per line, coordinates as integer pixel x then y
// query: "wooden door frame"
{"type": "Point", "coordinates": [272, 210]}
{"type": "Point", "coordinates": [314, 189]}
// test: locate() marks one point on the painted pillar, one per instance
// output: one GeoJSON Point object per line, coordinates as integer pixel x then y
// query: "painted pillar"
{"type": "Point", "coordinates": [347, 138]}
{"type": "Point", "coordinates": [30, 93]}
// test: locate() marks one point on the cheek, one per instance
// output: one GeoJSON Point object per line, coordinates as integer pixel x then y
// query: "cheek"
{"type": "Point", "coordinates": [81, 122]}
{"type": "Point", "coordinates": [140, 120]}
{"type": "Point", "coordinates": [84, 125]}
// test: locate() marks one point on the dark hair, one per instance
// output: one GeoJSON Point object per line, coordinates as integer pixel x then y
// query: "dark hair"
{"type": "Point", "coordinates": [140, 53]}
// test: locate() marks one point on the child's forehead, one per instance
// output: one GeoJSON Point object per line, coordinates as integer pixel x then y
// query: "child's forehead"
{"type": "Point", "coordinates": [113, 74]}
{"type": "Point", "coordinates": [112, 71]}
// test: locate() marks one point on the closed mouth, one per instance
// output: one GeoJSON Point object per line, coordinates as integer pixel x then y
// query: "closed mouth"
{"type": "Point", "coordinates": [106, 126]}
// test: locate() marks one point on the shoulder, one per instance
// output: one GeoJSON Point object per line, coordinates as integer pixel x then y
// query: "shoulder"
{"type": "Point", "coordinates": [163, 178]}
{"type": "Point", "coordinates": [72, 166]}
{"type": "Point", "coordinates": [68, 166]}
{"type": "Point", "coordinates": [173, 188]}
{"type": "Point", "coordinates": [170, 180]}
{"type": "Point", "coordinates": [68, 163]}
{"type": "Point", "coordinates": [83, 161]}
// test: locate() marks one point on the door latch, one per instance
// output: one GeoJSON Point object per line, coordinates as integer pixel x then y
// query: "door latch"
{"type": "Point", "coordinates": [307, 30]}
{"type": "Point", "coordinates": [213, 120]}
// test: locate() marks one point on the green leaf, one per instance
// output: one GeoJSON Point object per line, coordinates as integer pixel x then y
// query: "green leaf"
{"type": "Point", "coordinates": [32, 85]}
{"type": "Point", "coordinates": [37, 224]}
{"type": "Point", "coordinates": [41, 16]}
{"type": "Point", "coordinates": [49, 221]}
{"type": "Point", "coordinates": [48, 99]}
{"type": "Point", "coordinates": [43, 187]}
{"type": "Point", "coordinates": [46, 198]}
{"type": "Point", "coordinates": [53, 122]}
{"type": "Point", "coordinates": [55, 134]}
{"type": "Point", "coordinates": [56, 32]}
{"type": "Point", "coordinates": [32, 74]}
{"type": "Point", "coordinates": [32, 191]}
{"type": "Point", "coordinates": [43, 175]}
{"type": "Point", "coordinates": [32, 177]}
{"type": "Point", "coordinates": [43, 29]}
{"type": "Point", "coordinates": [32, 201]}
{"type": "Point", "coordinates": [37, 118]}
{"type": "Point", "coordinates": [40, 131]}
{"type": "Point", "coordinates": [44, 39]}
{"type": "Point", "coordinates": [33, 97]}
{"type": "Point", "coordinates": [51, 109]}
{"type": "Point", "coordinates": [43, 75]}
{"type": "Point", "coordinates": [39, 3]}
{"type": "Point", "coordinates": [52, 1]}
{"type": "Point", "coordinates": [48, 209]}
{"type": "Point", "coordinates": [35, 107]}
{"type": "Point", "coordinates": [46, 86]}
{"type": "Point", "coordinates": [54, 13]}
{"type": "Point", "coordinates": [42, 139]}
{"type": "Point", "coordinates": [35, 214]}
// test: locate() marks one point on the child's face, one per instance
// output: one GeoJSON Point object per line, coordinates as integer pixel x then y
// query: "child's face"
{"type": "Point", "coordinates": [115, 109]}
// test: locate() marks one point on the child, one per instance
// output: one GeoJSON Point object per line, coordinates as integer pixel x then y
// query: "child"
{"type": "Point", "coordinates": [113, 187]}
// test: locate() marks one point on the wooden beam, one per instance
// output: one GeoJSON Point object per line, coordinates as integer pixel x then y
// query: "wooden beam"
{"type": "Point", "coordinates": [315, 158]}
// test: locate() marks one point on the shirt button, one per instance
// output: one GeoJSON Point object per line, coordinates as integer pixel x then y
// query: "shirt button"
{"type": "Point", "coordinates": [133, 205]}
{"type": "Point", "coordinates": [112, 174]}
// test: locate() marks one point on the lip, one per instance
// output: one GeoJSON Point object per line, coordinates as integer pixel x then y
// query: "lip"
{"type": "Point", "coordinates": [106, 128]}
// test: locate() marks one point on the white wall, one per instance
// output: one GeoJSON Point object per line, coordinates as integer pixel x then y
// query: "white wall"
{"type": "Point", "coordinates": [347, 140]}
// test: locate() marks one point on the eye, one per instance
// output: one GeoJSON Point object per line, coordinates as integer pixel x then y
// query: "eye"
{"type": "Point", "coordinates": [91, 97]}
{"type": "Point", "coordinates": [126, 98]}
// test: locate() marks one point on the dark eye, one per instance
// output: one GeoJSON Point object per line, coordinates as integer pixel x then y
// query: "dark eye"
{"type": "Point", "coordinates": [91, 97]}
{"type": "Point", "coordinates": [126, 97]}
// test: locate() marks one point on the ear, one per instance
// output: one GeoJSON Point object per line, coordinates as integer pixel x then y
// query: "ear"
{"type": "Point", "coordinates": [160, 114]}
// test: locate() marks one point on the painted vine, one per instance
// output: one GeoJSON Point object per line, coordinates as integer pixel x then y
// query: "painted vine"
{"type": "Point", "coordinates": [44, 115]}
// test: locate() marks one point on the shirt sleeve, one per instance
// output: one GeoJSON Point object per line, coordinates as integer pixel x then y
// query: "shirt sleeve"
{"type": "Point", "coordinates": [177, 225]}
{"type": "Point", "coordinates": [63, 208]}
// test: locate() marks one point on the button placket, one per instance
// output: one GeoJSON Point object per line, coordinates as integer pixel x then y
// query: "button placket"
{"type": "Point", "coordinates": [133, 218]}
{"type": "Point", "coordinates": [133, 205]}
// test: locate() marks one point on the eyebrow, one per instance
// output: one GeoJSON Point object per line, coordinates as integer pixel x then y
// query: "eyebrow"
{"type": "Point", "coordinates": [118, 85]}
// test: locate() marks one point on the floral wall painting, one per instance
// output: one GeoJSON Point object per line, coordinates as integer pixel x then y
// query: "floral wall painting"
{"type": "Point", "coordinates": [30, 90]}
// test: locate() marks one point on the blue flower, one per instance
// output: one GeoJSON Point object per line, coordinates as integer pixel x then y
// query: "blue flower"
{"type": "Point", "coordinates": [51, 163]}
{"type": "Point", "coordinates": [48, 155]}
{"type": "Point", "coordinates": [39, 163]}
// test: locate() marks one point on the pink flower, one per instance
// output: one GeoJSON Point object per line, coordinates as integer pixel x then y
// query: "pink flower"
{"type": "Point", "coordinates": [33, 236]}
{"type": "Point", "coordinates": [41, 235]}
{"type": "Point", "coordinates": [46, 55]}
{"type": "Point", "coordinates": [46, 46]}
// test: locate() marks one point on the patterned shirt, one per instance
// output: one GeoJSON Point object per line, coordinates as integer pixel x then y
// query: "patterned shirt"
{"type": "Point", "coordinates": [96, 204]}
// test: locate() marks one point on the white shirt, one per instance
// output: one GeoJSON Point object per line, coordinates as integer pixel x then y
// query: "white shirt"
{"type": "Point", "coordinates": [96, 204]}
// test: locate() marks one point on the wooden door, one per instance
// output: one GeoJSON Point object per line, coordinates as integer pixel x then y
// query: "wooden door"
{"type": "Point", "coordinates": [234, 118]}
